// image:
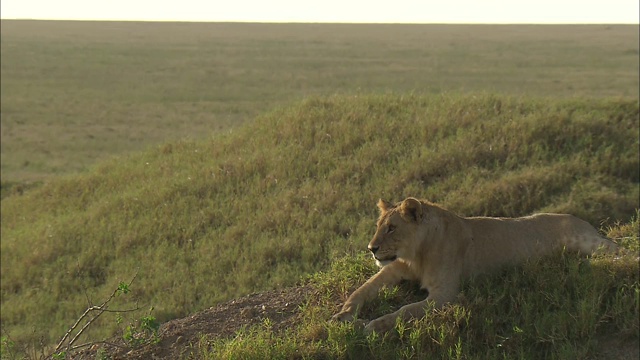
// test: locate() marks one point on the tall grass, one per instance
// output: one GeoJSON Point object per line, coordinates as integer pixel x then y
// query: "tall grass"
{"type": "Point", "coordinates": [288, 194]}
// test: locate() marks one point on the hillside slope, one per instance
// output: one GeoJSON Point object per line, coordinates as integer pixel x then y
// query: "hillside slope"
{"type": "Point", "coordinates": [203, 222]}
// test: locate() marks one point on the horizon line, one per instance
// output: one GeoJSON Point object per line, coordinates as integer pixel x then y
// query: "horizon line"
{"type": "Point", "coordinates": [322, 22]}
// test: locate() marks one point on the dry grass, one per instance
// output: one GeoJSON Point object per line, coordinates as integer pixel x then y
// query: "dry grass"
{"type": "Point", "coordinates": [77, 92]}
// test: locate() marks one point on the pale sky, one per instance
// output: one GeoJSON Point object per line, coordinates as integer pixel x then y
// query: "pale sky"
{"type": "Point", "coordinates": [350, 11]}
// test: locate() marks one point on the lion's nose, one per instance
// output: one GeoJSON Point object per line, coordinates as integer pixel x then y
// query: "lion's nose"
{"type": "Point", "coordinates": [373, 249]}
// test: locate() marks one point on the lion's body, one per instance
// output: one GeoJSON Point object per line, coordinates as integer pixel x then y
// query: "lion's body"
{"type": "Point", "coordinates": [419, 241]}
{"type": "Point", "coordinates": [496, 241]}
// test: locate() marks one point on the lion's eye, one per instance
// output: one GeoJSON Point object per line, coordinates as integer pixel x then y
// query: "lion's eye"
{"type": "Point", "coordinates": [390, 229]}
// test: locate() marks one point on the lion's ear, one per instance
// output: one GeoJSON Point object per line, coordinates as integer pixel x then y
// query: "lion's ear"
{"type": "Point", "coordinates": [384, 206]}
{"type": "Point", "coordinates": [411, 208]}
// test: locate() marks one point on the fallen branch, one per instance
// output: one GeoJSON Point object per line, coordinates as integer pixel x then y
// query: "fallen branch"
{"type": "Point", "coordinates": [100, 309]}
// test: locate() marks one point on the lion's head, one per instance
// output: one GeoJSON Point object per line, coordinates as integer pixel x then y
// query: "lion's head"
{"type": "Point", "coordinates": [397, 231]}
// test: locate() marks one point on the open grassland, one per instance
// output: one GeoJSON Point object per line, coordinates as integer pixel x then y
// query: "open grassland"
{"type": "Point", "coordinates": [295, 190]}
{"type": "Point", "coordinates": [76, 92]}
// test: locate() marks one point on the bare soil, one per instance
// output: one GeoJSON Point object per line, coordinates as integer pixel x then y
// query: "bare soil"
{"type": "Point", "coordinates": [281, 307]}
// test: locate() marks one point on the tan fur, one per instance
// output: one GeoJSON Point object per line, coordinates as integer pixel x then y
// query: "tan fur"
{"type": "Point", "coordinates": [417, 240]}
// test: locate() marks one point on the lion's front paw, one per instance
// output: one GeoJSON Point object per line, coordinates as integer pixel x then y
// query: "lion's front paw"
{"type": "Point", "coordinates": [343, 316]}
{"type": "Point", "coordinates": [380, 325]}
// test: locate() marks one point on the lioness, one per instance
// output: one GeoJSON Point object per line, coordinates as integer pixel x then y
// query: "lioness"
{"type": "Point", "coordinates": [420, 241]}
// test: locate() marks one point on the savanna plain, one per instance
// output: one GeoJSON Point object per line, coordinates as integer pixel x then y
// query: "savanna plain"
{"type": "Point", "coordinates": [183, 164]}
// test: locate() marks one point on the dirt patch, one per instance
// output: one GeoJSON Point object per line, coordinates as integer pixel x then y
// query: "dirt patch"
{"type": "Point", "coordinates": [281, 307]}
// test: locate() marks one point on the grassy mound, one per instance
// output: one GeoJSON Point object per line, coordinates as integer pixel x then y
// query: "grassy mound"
{"type": "Point", "coordinates": [201, 222]}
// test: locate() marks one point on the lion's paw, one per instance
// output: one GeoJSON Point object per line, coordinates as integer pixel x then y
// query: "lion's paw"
{"type": "Point", "coordinates": [343, 316]}
{"type": "Point", "coordinates": [380, 325]}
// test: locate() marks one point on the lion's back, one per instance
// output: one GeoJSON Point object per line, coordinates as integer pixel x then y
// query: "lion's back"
{"type": "Point", "coordinates": [495, 241]}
